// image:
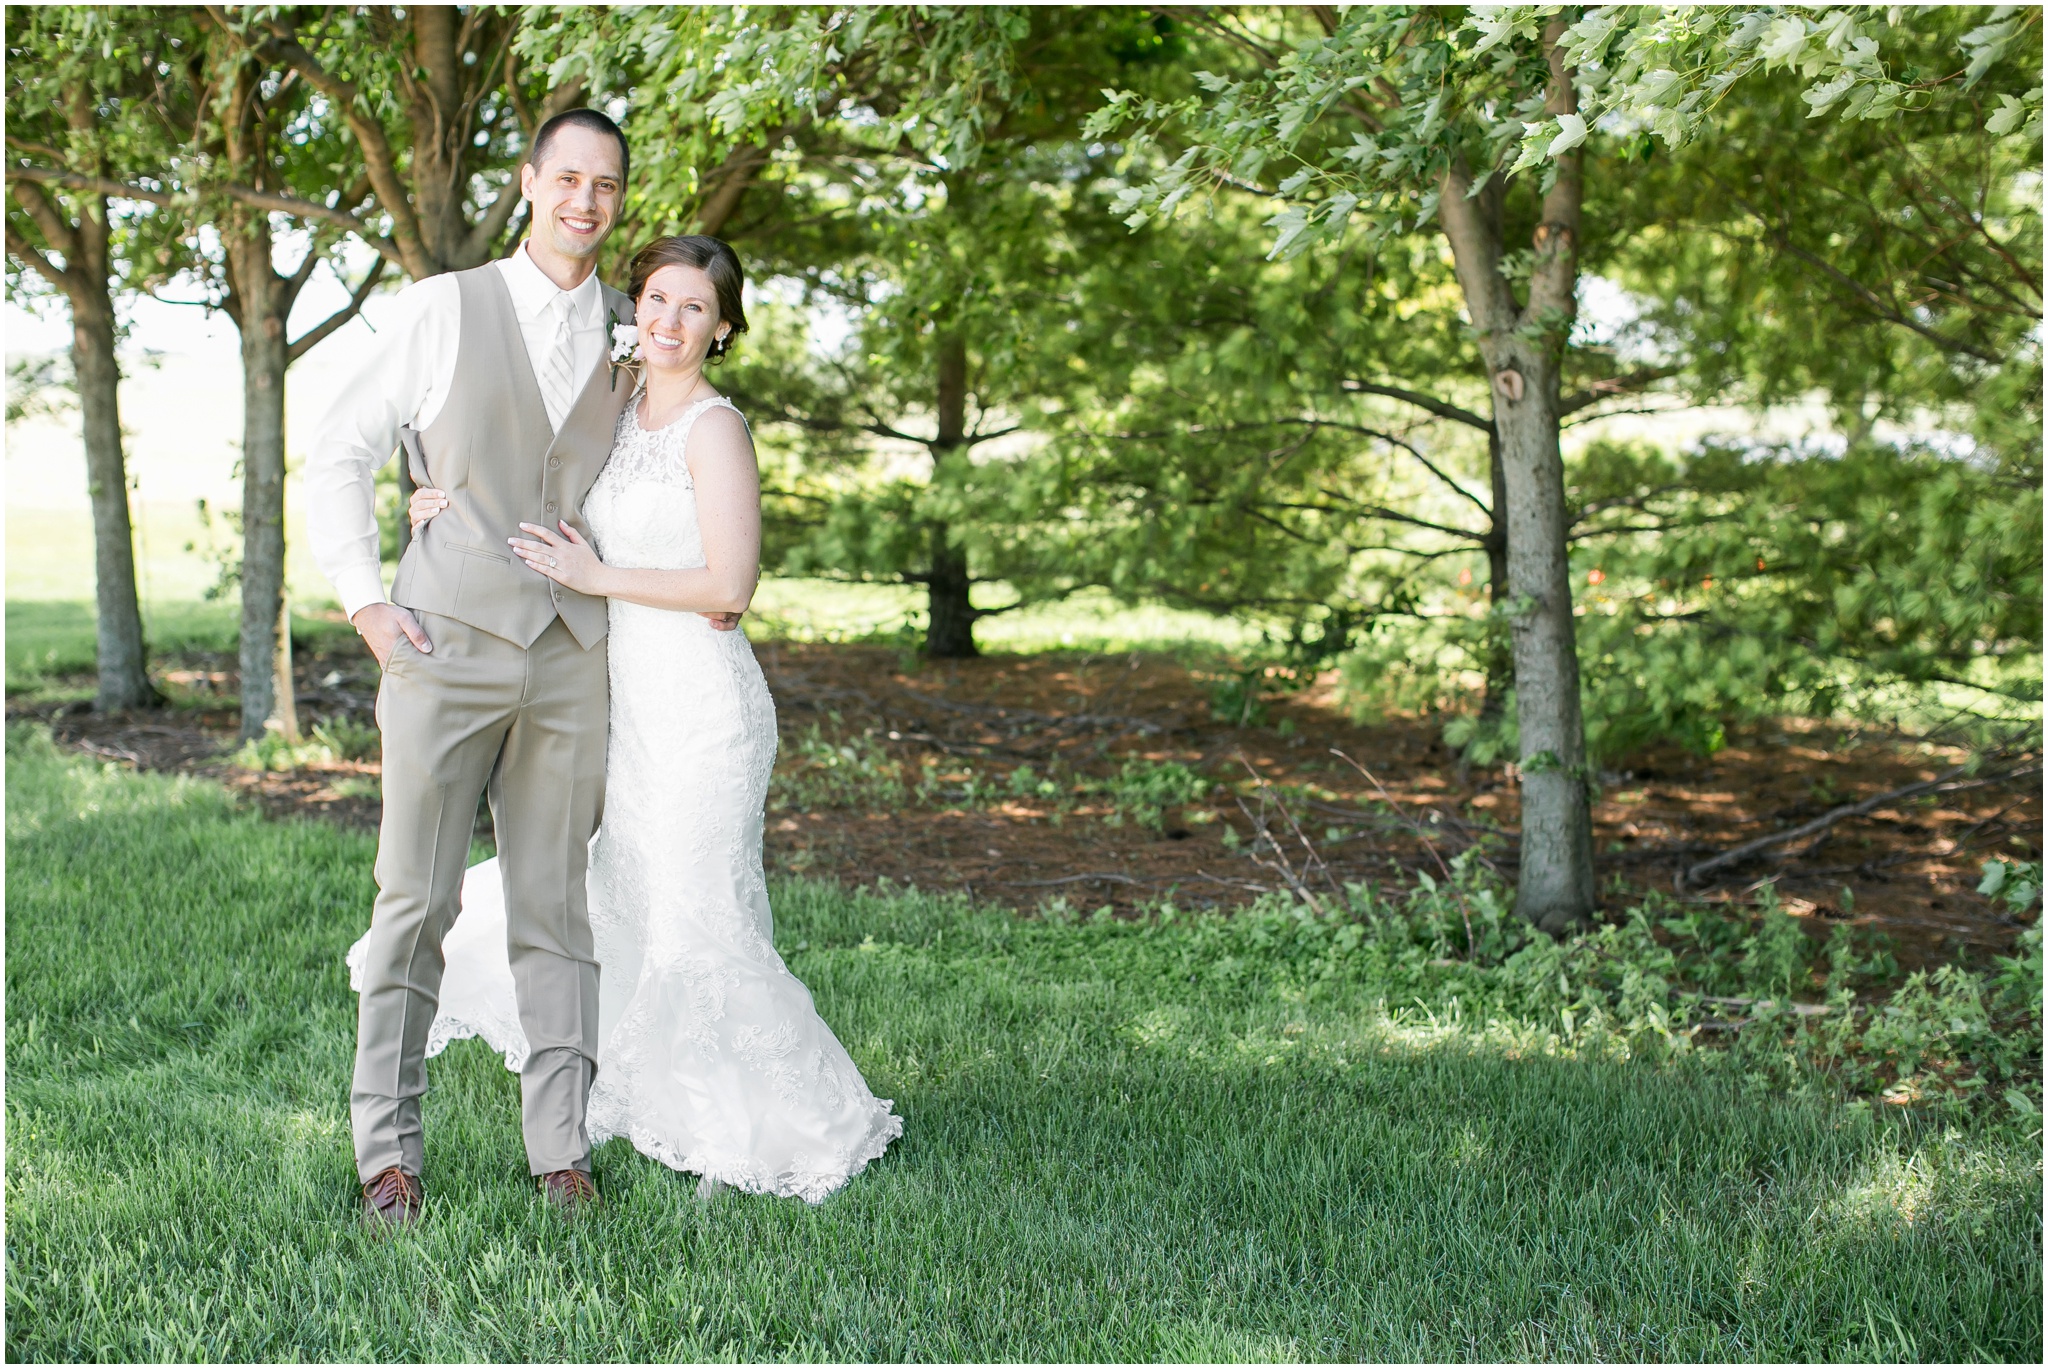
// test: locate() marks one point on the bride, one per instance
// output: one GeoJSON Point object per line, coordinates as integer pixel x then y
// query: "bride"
{"type": "Point", "coordinates": [712, 1058]}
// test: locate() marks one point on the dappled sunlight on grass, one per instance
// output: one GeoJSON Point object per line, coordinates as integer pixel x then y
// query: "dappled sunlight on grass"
{"type": "Point", "coordinates": [1161, 1140]}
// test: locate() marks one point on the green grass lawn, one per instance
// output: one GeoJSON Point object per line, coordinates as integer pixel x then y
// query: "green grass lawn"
{"type": "Point", "coordinates": [1123, 1141]}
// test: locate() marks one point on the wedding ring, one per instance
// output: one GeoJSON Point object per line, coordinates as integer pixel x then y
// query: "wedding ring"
{"type": "Point", "coordinates": [553, 562]}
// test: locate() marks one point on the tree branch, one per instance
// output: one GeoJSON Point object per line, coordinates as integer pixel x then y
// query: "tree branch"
{"type": "Point", "coordinates": [314, 210]}
{"type": "Point", "coordinates": [1390, 515]}
{"type": "Point", "coordinates": [733, 178]}
{"type": "Point", "coordinates": [35, 149]}
{"type": "Point", "coordinates": [378, 159]}
{"type": "Point", "coordinates": [1441, 408]}
{"type": "Point", "coordinates": [1612, 386]}
{"type": "Point", "coordinates": [27, 251]}
{"type": "Point", "coordinates": [521, 111]}
{"type": "Point", "coordinates": [335, 320]}
{"type": "Point", "coordinates": [493, 220]}
{"type": "Point", "coordinates": [91, 185]}
{"type": "Point", "coordinates": [1553, 279]}
{"type": "Point", "coordinates": [56, 232]}
{"type": "Point", "coordinates": [974, 439]}
{"type": "Point", "coordinates": [307, 265]}
{"type": "Point", "coordinates": [1878, 305]}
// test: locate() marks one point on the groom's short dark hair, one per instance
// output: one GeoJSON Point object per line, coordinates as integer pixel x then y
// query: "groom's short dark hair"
{"type": "Point", "coordinates": [591, 119]}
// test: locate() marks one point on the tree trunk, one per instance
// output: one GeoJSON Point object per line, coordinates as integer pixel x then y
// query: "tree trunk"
{"type": "Point", "coordinates": [1555, 889]}
{"type": "Point", "coordinates": [265, 355]}
{"type": "Point", "coordinates": [1524, 352]}
{"type": "Point", "coordinates": [123, 655]}
{"type": "Point", "coordinates": [950, 634]}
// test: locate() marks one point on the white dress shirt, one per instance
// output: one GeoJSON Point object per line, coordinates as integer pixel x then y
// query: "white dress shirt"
{"type": "Point", "coordinates": [405, 384]}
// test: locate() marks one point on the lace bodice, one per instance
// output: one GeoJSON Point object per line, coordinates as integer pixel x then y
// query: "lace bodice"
{"type": "Point", "coordinates": [642, 510]}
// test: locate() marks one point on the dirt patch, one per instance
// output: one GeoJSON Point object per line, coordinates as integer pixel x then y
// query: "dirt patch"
{"type": "Point", "coordinates": [908, 771]}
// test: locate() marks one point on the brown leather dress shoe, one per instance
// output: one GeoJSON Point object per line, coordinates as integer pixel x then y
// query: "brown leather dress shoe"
{"type": "Point", "coordinates": [570, 1190]}
{"type": "Point", "coordinates": [392, 1199]}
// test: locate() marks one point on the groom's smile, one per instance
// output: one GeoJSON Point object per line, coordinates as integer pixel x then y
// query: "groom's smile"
{"type": "Point", "coordinates": [575, 191]}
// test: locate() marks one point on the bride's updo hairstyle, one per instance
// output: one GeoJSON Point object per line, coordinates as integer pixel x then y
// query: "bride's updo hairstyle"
{"type": "Point", "coordinates": [709, 255]}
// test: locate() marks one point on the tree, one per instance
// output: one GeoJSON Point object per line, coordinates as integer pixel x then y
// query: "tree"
{"type": "Point", "coordinates": [1394, 118]}
{"type": "Point", "coordinates": [73, 75]}
{"type": "Point", "coordinates": [254, 129]}
{"type": "Point", "coordinates": [946, 293]}
{"type": "Point", "coordinates": [1888, 263]}
{"type": "Point", "coordinates": [1892, 264]}
{"type": "Point", "coordinates": [891, 107]}
{"type": "Point", "coordinates": [1429, 111]}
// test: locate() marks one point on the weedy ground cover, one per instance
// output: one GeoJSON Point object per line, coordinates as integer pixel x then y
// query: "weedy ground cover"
{"type": "Point", "coordinates": [1267, 1136]}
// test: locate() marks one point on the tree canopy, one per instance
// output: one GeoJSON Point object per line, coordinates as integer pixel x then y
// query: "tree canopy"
{"type": "Point", "coordinates": [1324, 318]}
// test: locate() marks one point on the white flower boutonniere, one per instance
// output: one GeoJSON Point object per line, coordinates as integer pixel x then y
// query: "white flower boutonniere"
{"type": "Point", "coordinates": [625, 349]}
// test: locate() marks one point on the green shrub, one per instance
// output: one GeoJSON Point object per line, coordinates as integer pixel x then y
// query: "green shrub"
{"type": "Point", "coordinates": [347, 739]}
{"type": "Point", "coordinates": [1143, 790]}
{"type": "Point", "coordinates": [1236, 701]}
{"type": "Point", "coordinates": [1718, 986]}
{"type": "Point", "coordinates": [856, 773]}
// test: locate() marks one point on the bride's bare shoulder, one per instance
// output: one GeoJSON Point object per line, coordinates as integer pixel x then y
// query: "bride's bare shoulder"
{"type": "Point", "coordinates": [718, 434]}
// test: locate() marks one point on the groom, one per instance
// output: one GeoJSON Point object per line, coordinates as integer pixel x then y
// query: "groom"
{"type": "Point", "coordinates": [496, 383]}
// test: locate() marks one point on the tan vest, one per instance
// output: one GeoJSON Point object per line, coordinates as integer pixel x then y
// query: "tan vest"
{"type": "Point", "coordinates": [491, 449]}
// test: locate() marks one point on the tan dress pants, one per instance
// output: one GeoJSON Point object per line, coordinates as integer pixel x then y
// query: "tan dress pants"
{"type": "Point", "coordinates": [528, 724]}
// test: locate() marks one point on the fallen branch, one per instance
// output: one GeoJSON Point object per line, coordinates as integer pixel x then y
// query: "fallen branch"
{"type": "Point", "coordinates": [1799, 1009]}
{"type": "Point", "coordinates": [112, 753]}
{"type": "Point", "coordinates": [1463, 827]}
{"type": "Point", "coordinates": [1071, 879]}
{"type": "Point", "coordinates": [1941, 784]}
{"type": "Point", "coordinates": [1235, 883]}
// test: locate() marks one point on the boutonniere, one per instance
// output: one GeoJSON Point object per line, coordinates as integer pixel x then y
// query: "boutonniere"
{"type": "Point", "coordinates": [625, 353]}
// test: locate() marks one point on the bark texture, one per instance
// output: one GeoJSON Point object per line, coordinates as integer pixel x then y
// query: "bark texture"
{"type": "Point", "coordinates": [78, 232]}
{"type": "Point", "coordinates": [1500, 656]}
{"type": "Point", "coordinates": [950, 634]}
{"type": "Point", "coordinates": [949, 586]}
{"type": "Point", "coordinates": [123, 653]}
{"type": "Point", "coordinates": [1523, 346]}
{"type": "Point", "coordinates": [264, 359]}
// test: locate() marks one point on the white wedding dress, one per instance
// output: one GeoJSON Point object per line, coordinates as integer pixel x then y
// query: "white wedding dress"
{"type": "Point", "coordinates": [712, 1058]}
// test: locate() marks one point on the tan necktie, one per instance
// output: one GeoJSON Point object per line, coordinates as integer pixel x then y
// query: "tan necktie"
{"type": "Point", "coordinates": [558, 371]}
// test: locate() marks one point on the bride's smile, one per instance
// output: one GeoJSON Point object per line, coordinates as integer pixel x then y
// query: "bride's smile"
{"type": "Point", "coordinates": [679, 321]}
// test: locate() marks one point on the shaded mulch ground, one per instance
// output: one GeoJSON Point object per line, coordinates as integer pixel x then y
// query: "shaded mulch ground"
{"type": "Point", "coordinates": [1909, 868]}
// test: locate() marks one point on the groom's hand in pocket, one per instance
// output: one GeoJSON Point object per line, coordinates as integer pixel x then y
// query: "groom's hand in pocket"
{"type": "Point", "coordinates": [381, 625]}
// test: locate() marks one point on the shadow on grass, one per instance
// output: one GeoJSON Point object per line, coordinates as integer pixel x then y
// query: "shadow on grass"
{"type": "Point", "coordinates": [1101, 1161]}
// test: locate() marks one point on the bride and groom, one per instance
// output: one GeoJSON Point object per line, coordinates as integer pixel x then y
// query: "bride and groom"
{"type": "Point", "coordinates": [561, 636]}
